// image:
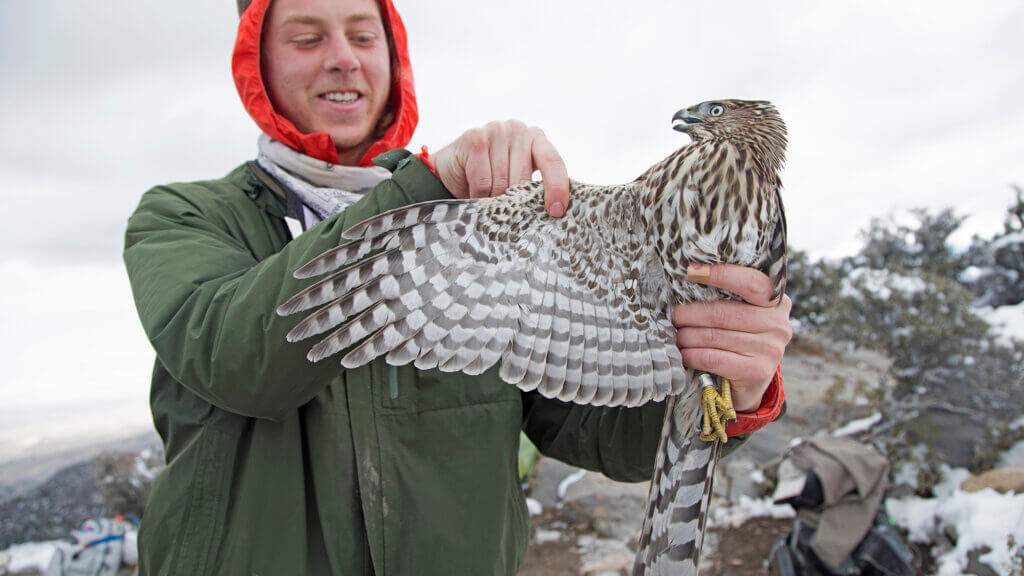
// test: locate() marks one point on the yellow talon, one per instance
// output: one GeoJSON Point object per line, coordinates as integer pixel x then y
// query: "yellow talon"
{"type": "Point", "coordinates": [716, 405]}
{"type": "Point", "coordinates": [730, 412]}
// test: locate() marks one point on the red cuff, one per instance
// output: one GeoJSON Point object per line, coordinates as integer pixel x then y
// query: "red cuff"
{"type": "Point", "coordinates": [771, 405]}
{"type": "Point", "coordinates": [425, 157]}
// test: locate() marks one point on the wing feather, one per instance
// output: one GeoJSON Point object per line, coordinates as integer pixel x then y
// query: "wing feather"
{"type": "Point", "coordinates": [464, 284]}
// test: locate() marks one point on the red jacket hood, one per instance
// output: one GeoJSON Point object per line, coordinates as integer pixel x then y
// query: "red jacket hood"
{"type": "Point", "coordinates": [245, 67]}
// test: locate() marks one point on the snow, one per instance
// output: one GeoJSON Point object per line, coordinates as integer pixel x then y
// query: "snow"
{"type": "Point", "coordinates": [1011, 238]}
{"type": "Point", "coordinates": [31, 557]}
{"type": "Point", "coordinates": [906, 475]}
{"type": "Point", "coordinates": [881, 283]}
{"type": "Point", "coordinates": [1008, 319]}
{"type": "Point", "coordinates": [952, 478]}
{"type": "Point", "coordinates": [563, 486]}
{"type": "Point", "coordinates": [535, 507]}
{"type": "Point", "coordinates": [858, 426]}
{"type": "Point", "coordinates": [980, 519]}
{"type": "Point", "coordinates": [970, 274]}
{"type": "Point", "coordinates": [1014, 456]}
{"type": "Point", "coordinates": [542, 536]}
{"type": "Point", "coordinates": [748, 508]}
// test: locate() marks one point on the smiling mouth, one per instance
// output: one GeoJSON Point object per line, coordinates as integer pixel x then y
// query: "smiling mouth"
{"type": "Point", "coordinates": [346, 97]}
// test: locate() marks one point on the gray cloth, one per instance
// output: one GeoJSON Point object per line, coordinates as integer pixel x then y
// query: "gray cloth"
{"type": "Point", "coordinates": [323, 189]}
{"type": "Point", "coordinates": [853, 478]}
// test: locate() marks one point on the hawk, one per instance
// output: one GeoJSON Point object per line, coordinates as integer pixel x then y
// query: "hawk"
{"type": "Point", "coordinates": [577, 308]}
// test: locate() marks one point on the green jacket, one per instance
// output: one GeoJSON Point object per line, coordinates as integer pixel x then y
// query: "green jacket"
{"type": "Point", "coordinates": [276, 466]}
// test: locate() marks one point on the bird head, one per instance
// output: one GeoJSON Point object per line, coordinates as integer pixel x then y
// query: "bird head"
{"type": "Point", "coordinates": [729, 118]}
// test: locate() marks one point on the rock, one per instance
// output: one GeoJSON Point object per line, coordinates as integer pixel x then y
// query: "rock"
{"type": "Point", "coordinates": [609, 508]}
{"type": "Point", "coordinates": [604, 557]}
{"type": "Point", "coordinates": [50, 510]}
{"type": "Point", "coordinates": [952, 438]}
{"type": "Point", "coordinates": [738, 476]}
{"type": "Point", "coordinates": [1008, 479]}
{"type": "Point", "coordinates": [619, 516]}
{"type": "Point", "coordinates": [549, 474]}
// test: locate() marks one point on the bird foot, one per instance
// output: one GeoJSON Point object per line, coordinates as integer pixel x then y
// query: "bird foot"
{"type": "Point", "coordinates": [717, 408]}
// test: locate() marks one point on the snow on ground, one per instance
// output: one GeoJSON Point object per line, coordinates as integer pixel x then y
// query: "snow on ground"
{"type": "Point", "coordinates": [984, 518]}
{"type": "Point", "coordinates": [729, 516]}
{"type": "Point", "coordinates": [563, 486]}
{"type": "Point", "coordinates": [542, 536]}
{"type": "Point", "coordinates": [1014, 456]}
{"type": "Point", "coordinates": [31, 557]}
{"type": "Point", "coordinates": [858, 426]}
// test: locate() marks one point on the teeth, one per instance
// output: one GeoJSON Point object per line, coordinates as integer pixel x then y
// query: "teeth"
{"type": "Point", "coordinates": [342, 96]}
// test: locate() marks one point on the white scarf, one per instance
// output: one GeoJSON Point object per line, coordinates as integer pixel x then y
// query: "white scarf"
{"type": "Point", "coordinates": [324, 188]}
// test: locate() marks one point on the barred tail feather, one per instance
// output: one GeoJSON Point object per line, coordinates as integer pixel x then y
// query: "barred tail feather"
{"type": "Point", "coordinates": [673, 531]}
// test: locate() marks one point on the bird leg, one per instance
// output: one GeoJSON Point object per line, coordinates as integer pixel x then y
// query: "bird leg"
{"type": "Point", "coordinates": [717, 408]}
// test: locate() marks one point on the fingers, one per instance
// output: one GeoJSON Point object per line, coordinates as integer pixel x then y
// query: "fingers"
{"type": "Point", "coordinates": [738, 316]}
{"type": "Point", "coordinates": [749, 376]}
{"type": "Point", "coordinates": [749, 284]}
{"type": "Point", "coordinates": [486, 161]}
{"type": "Point", "coordinates": [556, 178]}
{"type": "Point", "coordinates": [741, 343]}
{"type": "Point", "coordinates": [500, 141]}
{"type": "Point", "coordinates": [520, 162]}
{"type": "Point", "coordinates": [479, 163]}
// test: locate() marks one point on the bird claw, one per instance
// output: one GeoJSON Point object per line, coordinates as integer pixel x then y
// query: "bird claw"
{"type": "Point", "coordinates": [717, 407]}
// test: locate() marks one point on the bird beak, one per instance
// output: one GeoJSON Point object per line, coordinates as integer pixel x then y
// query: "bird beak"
{"type": "Point", "coordinates": [683, 120]}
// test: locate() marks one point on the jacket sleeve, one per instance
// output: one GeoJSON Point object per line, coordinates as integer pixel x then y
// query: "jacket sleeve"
{"type": "Point", "coordinates": [620, 443]}
{"type": "Point", "coordinates": [207, 300]}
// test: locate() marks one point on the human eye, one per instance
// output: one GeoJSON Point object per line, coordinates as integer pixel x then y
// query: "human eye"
{"type": "Point", "coordinates": [306, 40]}
{"type": "Point", "coordinates": [363, 38]}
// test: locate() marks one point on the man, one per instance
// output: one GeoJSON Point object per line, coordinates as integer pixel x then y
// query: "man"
{"type": "Point", "coordinates": [279, 466]}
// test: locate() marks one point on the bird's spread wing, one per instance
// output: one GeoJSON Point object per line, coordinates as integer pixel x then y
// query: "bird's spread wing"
{"type": "Point", "coordinates": [577, 307]}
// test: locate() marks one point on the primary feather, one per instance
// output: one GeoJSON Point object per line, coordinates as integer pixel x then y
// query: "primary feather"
{"type": "Point", "coordinates": [577, 308]}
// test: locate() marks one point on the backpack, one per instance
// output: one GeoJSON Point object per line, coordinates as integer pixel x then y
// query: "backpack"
{"type": "Point", "coordinates": [101, 546]}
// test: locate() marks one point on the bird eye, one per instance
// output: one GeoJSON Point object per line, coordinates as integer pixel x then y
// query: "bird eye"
{"type": "Point", "coordinates": [717, 110]}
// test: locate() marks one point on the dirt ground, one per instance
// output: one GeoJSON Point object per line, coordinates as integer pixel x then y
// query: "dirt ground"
{"type": "Point", "coordinates": [748, 547]}
{"type": "Point", "coordinates": [557, 558]}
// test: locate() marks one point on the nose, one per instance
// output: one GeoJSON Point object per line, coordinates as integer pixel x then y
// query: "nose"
{"type": "Point", "coordinates": [340, 56]}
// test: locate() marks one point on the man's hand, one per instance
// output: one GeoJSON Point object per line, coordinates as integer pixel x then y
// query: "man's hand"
{"type": "Point", "coordinates": [735, 340]}
{"type": "Point", "coordinates": [486, 161]}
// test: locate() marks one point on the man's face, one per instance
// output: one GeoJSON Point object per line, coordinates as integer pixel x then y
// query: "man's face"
{"type": "Point", "coordinates": [327, 69]}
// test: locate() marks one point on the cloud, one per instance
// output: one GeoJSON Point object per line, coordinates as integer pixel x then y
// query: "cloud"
{"type": "Point", "coordinates": [889, 106]}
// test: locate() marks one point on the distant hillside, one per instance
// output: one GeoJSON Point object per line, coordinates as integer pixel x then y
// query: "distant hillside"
{"type": "Point", "coordinates": [21, 475]}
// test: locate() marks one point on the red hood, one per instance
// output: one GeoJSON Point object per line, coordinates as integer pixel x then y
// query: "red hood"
{"type": "Point", "coordinates": [245, 66]}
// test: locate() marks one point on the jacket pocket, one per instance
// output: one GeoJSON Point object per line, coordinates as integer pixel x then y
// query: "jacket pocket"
{"type": "Point", "coordinates": [405, 389]}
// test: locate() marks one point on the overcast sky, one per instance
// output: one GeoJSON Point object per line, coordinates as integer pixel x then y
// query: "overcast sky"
{"type": "Point", "coordinates": [890, 105]}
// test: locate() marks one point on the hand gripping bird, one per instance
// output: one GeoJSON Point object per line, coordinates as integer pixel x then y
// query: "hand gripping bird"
{"type": "Point", "coordinates": [577, 308]}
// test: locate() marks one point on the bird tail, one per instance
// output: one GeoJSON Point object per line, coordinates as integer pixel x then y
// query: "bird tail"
{"type": "Point", "coordinates": [677, 506]}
